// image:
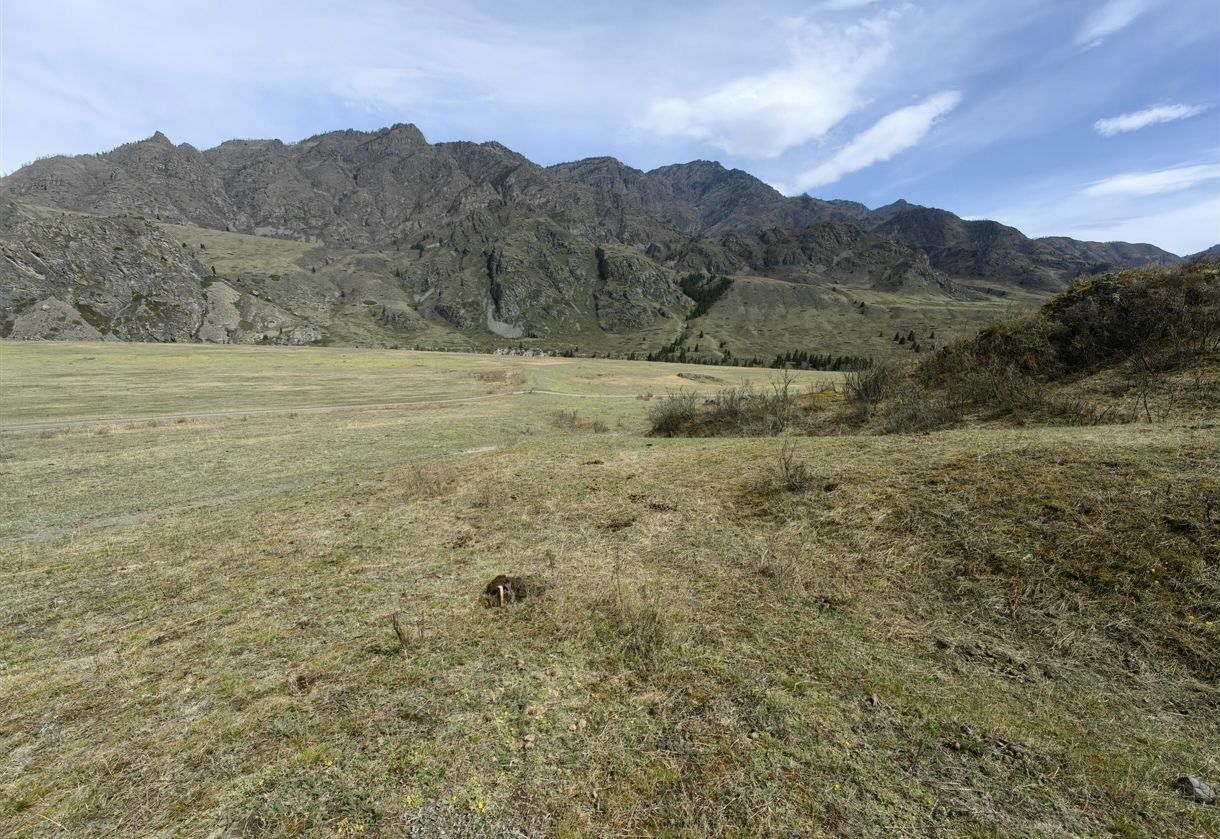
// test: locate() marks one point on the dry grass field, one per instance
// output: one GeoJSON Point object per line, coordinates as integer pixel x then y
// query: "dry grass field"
{"type": "Point", "coordinates": [971, 632]}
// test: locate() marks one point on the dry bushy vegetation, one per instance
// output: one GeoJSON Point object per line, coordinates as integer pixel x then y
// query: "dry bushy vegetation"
{"type": "Point", "coordinates": [1140, 345]}
{"type": "Point", "coordinates": [746, 409]}
{"type": "Point", "coordinates": [572, 421]}
{"type": "Point", "coordinates": [1142, 327]}
{"type": "Point", "coordinates": [500, 376]}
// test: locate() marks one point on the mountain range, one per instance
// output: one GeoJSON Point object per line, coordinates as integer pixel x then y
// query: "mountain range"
{"type": "Point", "coordinates": [382, 237]}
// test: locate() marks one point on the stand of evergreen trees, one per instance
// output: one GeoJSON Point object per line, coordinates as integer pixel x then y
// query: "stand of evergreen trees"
{"type": "Point", "coordinates": [802, 360]}
{"type": "Point", "coordinates": [676, 351]}
{"type": "Point", "coordinates": [705, 291]}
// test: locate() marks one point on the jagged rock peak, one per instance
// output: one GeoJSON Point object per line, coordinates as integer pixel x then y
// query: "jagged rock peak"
{"type": "Point", "coordinates": [403, 133]}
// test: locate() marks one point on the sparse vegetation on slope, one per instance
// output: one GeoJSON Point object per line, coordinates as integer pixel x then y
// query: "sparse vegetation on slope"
{"type": "Point", "coordinates": [1150, 338]}
{"type": "Point", "coordinates": [1141, 344]}
{"type": "Point", "coordinates": [200, 284]}
{"type": "Point", "coordinates": [705, 291]}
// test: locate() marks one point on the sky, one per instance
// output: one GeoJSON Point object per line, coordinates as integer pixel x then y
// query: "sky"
{"type": "Point", "coordinates": [1097, 119]}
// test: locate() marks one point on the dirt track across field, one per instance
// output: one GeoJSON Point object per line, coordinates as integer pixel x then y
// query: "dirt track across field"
{"type": "Point", "coordinates": [309, 409]}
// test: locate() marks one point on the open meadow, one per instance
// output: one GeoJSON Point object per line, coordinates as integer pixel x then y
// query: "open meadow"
{"type": "Point", "coordinates": [968, 632]}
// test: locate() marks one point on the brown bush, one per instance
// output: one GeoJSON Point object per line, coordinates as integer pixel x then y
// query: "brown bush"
{"type": "Point", "coordinates": [673, 413]}
{"type": "Point", "coordinates": [571, 421]}
{"type": "Point", "coordinates": [868, 387]}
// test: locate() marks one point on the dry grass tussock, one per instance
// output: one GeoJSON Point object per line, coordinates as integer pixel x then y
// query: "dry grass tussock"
{"type": "Point", "coordinates": [502, 376]}
{"type": "Point", "coordinates": [573, 422]}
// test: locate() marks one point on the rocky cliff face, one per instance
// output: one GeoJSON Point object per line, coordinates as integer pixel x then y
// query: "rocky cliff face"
{"type": "Point", "coordinates": [701, 197]}
{"type": "Point", "coordinates": [69, 276]}
{"type": "Point", "coordinates": [352, 189]}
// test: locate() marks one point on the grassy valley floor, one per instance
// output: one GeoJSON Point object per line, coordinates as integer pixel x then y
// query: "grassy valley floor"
{"type": "Point", "coordinates": [964, 633]}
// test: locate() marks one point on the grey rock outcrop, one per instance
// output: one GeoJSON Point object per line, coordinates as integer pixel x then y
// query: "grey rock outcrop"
{"type": "Point", "coordinates": [69, 276]}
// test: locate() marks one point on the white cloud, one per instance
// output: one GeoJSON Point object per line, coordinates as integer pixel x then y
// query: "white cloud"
{"type": "Point", "coordinates": [1177, 209]}
{"type": "Point", "coordinates": [763, 115]}
{"type": "Point", "coordinates": [1111, 17]}
{"type": "Point", "coordinates": [891, 134]}
{"type": "Point", "coordinates": [1153, 183]}
{"type": "Point", "coordinates": [1142, 119]}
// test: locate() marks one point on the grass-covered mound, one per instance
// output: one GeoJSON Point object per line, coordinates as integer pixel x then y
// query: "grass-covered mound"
{"type": "Point", "coordinates": [1139, 345]}
{"type": "Point", "coordinates": [1111, 348]}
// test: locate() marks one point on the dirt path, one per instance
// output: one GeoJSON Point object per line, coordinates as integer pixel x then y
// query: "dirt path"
{"type": "Point", "coordinates": [306, 409]}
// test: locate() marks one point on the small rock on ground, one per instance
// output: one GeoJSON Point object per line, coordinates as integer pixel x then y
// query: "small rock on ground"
{"type": "Point", "coordinates": [1197, 788]}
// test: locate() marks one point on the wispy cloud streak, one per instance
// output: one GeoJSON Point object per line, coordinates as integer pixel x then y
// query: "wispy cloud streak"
{"type": "Point", "coordinates": [1125, 123]}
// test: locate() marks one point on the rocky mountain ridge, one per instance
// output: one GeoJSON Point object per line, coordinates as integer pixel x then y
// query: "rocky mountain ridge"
{"type": "Point", "coordinates": [395, 236]}
{"type": "Point", "coordinates": [703, 197]}
{"type": "Point", "coordinates": [391, 187]}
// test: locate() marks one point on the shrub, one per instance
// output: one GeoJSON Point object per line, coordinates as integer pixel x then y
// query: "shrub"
{"type": "Point", "coordinates": [571, 421]}
{"type": "Point", "coordinates": [500, 376]}
{"type": "Point", "coordinates": [673, 412]}
{"type": "Point", "coordinates": [868, 387]}
{"type": "Point", "coordinates": [921, 409]}
{"type": "Point", "coordinates": [1165, 317]}
{"type": "Point", "coordinates": [794, 472]}
{"type": "Point", "coordinates": [780, 403]}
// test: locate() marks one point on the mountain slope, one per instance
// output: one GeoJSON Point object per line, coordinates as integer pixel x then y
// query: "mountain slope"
{"type": "Point", "coordinates": [139, 280]}
{"type": "Point", "coordinates": [398, 241]}
{"type": "Point", "coordinates": [988, 250]}
{"type": "Point", "coordinates": [69, 276]}
{"type": "Point", "coordinates": [703, 197]}
{"type": "Point", "coordinates": [345, 188]}
{"type": "Point", "coordinates": [391, 188]}
{"type": "Point", "coordinates": [386, 238]}
{"type": "Point", "coordinates": [823, 252]}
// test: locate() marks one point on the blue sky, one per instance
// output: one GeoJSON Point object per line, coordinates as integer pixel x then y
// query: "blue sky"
{"type": "Point", "coordinates": [1097, 119]}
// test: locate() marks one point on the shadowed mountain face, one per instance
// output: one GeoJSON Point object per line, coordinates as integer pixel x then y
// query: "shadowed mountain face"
{"type": "Point", "coordinates": [703, 197]}
{"type": "Point", "coordinates": [470, 238]}
{"type": "Point", "coordinates": [988, 250]}
{"type": "Point", "coordinates": [346, 189]}
{"type": "Point", "coordinates": [830, 251]}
